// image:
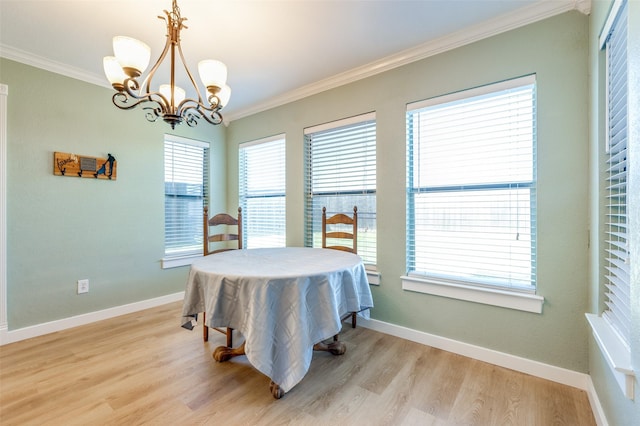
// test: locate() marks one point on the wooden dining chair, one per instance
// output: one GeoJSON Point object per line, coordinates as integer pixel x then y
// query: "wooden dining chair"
{"type": "Point", "coordinates": [219, 237]}
{"type": "Point", "coordinates": [342, 231]}
{"type": "Point", "coordinates": [217, 232]}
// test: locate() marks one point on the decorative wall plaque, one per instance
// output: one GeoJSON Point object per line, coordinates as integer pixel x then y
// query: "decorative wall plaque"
{"type": "Point", "coordinates": [65, 164]}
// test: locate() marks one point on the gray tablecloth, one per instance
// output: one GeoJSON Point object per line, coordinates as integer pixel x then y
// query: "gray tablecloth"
{"type": "Point", "coordinates": [282, 300]}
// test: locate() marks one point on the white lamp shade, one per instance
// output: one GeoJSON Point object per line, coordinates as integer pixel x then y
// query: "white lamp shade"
{"type": "Point", "coordinates": [113, 70]}
{"type": "Point", "coordinates": [131, 53]}
{"type": "Point", "coordinates": [212, 73]}
{"type": "Point", "coordinates": [178, 95]}
{"type": "Point", "coordinates": [224, 95]}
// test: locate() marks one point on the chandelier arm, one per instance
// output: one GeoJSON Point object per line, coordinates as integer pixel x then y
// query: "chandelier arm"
{"type": "Point", "coordinates": [215, 102]}
{"type": "Point", "coordinates": [191, 118]}
{"type": "Point", "coordinates": [152, 114]}
{"type": "Point", "coordinates": [216, 118]}
{"type": "Point", "coordinates": [121, 99]}
{"type": "Point", "coordinates": [193, 82]}
{"type": "Point", "coordinates": [211, 115]}
{"type": "Point", "coordinates": [192, 104]}
{"type": "Point", "coordinates": [147, 81]}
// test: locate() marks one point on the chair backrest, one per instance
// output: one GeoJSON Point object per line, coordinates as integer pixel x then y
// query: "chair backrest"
{"type": "Point", "coordinates": [340, 231]}
{"type": "Point", "coordinates": [215, 236]}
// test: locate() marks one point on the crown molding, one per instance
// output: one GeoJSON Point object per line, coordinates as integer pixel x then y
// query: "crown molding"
{"type": "Point", "coordinates": [527, 15]}
{"type": "Point", "coordinates": [27, 58]}
{"type": "Point", "coordinates": [583, 6]}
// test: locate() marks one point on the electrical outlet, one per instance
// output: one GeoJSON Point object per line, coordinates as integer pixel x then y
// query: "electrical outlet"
{"type": "Point", "coordinates": [83, 286]}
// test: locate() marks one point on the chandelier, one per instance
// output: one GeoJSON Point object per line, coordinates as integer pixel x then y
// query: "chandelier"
{"type": "Point", "coordinates": [169, 102]}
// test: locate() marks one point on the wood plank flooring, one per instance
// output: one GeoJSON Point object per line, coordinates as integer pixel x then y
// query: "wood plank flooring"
{"type": "Point", "coordinates": [144, 369]}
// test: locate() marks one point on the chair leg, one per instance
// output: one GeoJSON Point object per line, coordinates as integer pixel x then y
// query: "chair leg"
{"type": "Point", "coordinates": [353, 320]}
{"type": "Point", "coordinates": [205, 329]}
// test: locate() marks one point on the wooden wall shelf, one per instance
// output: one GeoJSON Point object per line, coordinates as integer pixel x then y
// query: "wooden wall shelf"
{"type": "Point", "coordinates": [66, 164]}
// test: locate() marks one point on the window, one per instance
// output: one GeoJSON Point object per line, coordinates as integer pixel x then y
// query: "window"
{"type": "Point", "coordinates": [341, 174]}
{"type": "Point", "coordinates": [185, 195]}
{"type": "Point", "coordinates": [471, 187]}
{"type": "Point", "coordinates": [262, 192]}
{"type": "Point", "coordinates": [611, 331]}
{"type": "Point", "coordinates": [616, 278]}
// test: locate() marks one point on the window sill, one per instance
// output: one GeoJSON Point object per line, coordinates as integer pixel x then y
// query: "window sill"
{"type": "Point", "coordinates": [177, 261]}
{"type": "Point", "coordinates": [488, 296]}
{"type": "Point", "coordinates": [373, 277]}
{"type": "Point", "coordinates": [615, 353]}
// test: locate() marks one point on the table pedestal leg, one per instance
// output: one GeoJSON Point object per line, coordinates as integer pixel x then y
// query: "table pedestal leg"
{"type": "Point", "coordinates": [276, 391]}
{"type": "Point", "coordinates": [335, 347]}
{"type": "Point", "coordinates": [225, 353]}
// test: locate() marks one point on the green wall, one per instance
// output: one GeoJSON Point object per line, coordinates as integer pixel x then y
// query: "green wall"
{"type": "Point", "coordinates": [556, 50]}
{"type": "Point", "coordinates": [618, 409]}
{"type": "Point", "coordinates": [61, 229]}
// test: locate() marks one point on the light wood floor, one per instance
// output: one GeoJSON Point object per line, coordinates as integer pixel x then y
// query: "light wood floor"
{"type": "Point", "coordinates": [143, 368]}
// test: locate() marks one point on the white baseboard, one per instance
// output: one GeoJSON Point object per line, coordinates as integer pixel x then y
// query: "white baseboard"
{"type": "Point", "coordinates": [513, 362]}
{"type": "Point", "coordinates": [12, 336]}
{"type": "Point", "coordinates": [596, 407]}
{"type": "Point", "coordinates": [549, 372]}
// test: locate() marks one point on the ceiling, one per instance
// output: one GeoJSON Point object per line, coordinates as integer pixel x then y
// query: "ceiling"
{"type": "Point", "coordinates": [275, 50]}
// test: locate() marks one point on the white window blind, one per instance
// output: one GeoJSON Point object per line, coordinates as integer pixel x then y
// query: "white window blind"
{"type": "Point", "coordinates": [185, 189]}
{"type": "Point", "coordinates": [617, 276]}
{"type": "Point", "coordinates": [262, 192]}
{"type": "Point", "coordinates": [471, 186]}
{"type": "Point", "coordinates": [341, 174]}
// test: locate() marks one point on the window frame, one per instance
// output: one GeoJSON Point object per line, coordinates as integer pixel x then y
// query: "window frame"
{"type": "Point", "coordinates": [614, 347]}
{"type": "Point", "coordinates": [176, 258]}
{"type": "Point", "coordinates": [470, 289]}
{"type": "Point", "coordinates": [313, 221]}
{"type": "Point", "coordinates": [245, 195]}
